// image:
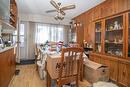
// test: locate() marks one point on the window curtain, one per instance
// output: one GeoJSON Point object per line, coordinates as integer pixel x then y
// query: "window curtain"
{"type": "Point", "coordinates": [50, 32]}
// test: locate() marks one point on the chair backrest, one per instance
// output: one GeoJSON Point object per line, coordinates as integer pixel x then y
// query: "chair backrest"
{"type": "Point", "coordinates": [74, 45]}
{"type": "Point", "coordinates": [71, 60]}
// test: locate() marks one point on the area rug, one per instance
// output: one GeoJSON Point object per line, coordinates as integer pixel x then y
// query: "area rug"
{"type": "Point", "coordinates": [104, 84]}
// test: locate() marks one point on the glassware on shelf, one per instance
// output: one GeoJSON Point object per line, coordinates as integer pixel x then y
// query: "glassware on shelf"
{"type": "Point", "coordinates": [114, 36]}
{"type": "Point", "coordinates": [98, 36]}
{"type": "Point", "coordinates": [129, 36]}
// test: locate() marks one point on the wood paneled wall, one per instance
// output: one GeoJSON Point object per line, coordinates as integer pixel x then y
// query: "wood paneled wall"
{"type": "Point", "coordinates": [103, 10]}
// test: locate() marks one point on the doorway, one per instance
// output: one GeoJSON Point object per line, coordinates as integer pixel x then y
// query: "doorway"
{"type": "Point", "coordinates": [23, 41]}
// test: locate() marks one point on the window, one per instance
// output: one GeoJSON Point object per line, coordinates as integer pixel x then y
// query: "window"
{"type": "Point", "coordinates": [22, 27]}
{"type": "Point", "coordinates": [48, 32]}
{"type": "Point", "coordinates": [15, 37]}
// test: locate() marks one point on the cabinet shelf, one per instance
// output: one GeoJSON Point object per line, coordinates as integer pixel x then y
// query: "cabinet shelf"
{"type": "Point", "coordinates": [108, 54]}
{"type": "Point", "coordinates": [12, 20]}
{"type": "Point", "coordinates": [114, 43]}
{"type": "Point", "coordinates": [12, 13]}
{"type": "Point", "coordinates": [114, 30]}
{"type": "Point", "coordinates": [98, 42]}
{"type": "Point", "coordinates": [98, 32]}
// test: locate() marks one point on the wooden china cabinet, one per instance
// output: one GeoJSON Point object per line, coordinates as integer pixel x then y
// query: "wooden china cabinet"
{"type": "Point", "coordinates": [110, 37]}
{"type": "Point", "coordinates": [112, 47]}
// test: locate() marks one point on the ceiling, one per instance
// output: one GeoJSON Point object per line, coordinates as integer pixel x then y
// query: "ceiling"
{"type": "Point", "coordinates": [40, 6]}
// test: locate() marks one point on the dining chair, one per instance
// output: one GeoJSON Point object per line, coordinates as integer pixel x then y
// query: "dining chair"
{"type": "Point", "coordinates": [74, 45]}
{"type": "Point", "coordinates": [37, 55]}
{"type": "Point", "coordinates": [71, 62]}
{"type": "Point", "coordinates": [52, 46]}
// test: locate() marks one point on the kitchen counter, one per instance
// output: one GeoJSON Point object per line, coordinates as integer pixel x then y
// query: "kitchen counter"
{"type": "Point", "coordinates": [6, 48]}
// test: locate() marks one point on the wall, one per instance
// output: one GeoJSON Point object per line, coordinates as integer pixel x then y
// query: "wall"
{"type": "Point", "coordinates": [27, 52]}
{"type": "Point", "coordinates": [31, 40]}
{"type": "Point", "coordinates": [42, 18]}
{"type": "Point", "coordinates": [30, 21]}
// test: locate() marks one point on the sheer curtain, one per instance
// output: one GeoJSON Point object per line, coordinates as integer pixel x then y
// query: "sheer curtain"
{"type": "Point", "coordinates": [49, 32]}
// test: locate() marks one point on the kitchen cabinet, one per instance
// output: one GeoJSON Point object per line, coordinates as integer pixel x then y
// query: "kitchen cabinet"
{"type": "Point", "coordinates": [120, 5]}
{"type": "Point", "coordinates": [13, 13]}
{"type": "Point", "coordinates": [107, 8]}
{"type": "Point", "coordinates": [123, 74]}
{"type": "Point", "coordinates": [95, 57]}
{"type": "Point", "coordinates": [128, 68]}
{"type": "Point", "coordinates": [128, 4]}
{"type": "Point", "coordinates": [113, 70]}
{"type": "Point", "coordinates": [7, 67]}
{"type": "Point", "coordinates": [4, 10]}
{"type": "Point", "coordinates": [105, 61]}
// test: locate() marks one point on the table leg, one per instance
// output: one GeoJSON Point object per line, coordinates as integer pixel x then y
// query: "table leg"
{"type": "Point", "coordinates": [81, 73]}
{"type": "Point", "coordinates": [48, 80]}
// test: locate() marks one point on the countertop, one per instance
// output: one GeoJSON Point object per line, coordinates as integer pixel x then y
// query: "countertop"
{"type": "Point", "coordinates": [6, 48]}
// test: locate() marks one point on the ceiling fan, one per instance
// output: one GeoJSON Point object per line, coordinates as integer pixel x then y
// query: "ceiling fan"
{"type": "Point", "coordinates": [60, 9]}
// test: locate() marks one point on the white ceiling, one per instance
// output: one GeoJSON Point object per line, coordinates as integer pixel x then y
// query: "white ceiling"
{"type": "Point", "coordinates": [40, 6]}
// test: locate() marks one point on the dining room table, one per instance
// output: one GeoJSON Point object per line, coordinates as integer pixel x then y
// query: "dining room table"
{"type": "Point", "coordinates": [52, 59]}
{"type": "Point", "coordinates": [53, 64]}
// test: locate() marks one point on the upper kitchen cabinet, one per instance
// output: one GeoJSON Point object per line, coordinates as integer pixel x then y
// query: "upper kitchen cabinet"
{"type": "Point", "coordinates": [8, 11]}
{"type": "Point", "coordinates": [107, 8]}
{"type": "Point", "coordinates": [128, 4]}
{"type": "Point", "coordinates": [4, 10]}
{"type": "Point", "coordinates": [13, 13]}
{"type": "Point", "coordinates": [120, 5]}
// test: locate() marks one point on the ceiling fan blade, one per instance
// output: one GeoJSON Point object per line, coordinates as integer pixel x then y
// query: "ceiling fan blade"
{"type": "Point", "coordinates": [68, 7]}
{"type": "Point", "coordinates": [55, 4]}
{"type": "Point", "coordinates": [49, 11]}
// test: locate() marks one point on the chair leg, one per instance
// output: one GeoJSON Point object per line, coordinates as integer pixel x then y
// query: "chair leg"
{"type": "Point", "coordinates": [36, 67]}
{"type": "Point", "coordinates": [60, 86]}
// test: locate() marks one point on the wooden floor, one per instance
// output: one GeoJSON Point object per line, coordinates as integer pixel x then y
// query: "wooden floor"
{"type": "Point", "coordinates": [28, 77]}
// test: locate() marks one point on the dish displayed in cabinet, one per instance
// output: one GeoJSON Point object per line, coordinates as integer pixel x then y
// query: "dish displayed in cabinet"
{"type": "Point", "coordinates": [114, 36]}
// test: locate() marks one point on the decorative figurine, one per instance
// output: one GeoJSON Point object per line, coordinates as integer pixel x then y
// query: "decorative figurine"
{"type": "Point", "coordinates": [99, 48]}
{"type": "Point", "coordinates": [116, 26]}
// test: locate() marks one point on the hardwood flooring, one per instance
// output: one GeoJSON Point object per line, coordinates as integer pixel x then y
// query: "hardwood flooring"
{"type": "Point", "coordinates": [28, 77]}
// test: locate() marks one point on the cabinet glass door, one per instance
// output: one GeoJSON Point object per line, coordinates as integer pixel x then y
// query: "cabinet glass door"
{"type": "Point", "coordinates": [129, 36]}
{"type": "Point", "coordinates": [98, 37]}
{"type": "Point", "coordinates": [114, 36]}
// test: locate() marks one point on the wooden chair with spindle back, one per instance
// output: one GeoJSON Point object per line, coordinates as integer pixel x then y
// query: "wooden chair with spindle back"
{"type": "Point", "coordinates": [71, 62]}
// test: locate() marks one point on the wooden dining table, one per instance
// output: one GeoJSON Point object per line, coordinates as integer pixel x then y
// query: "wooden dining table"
{"type": "Point", "coordinates": [53, 63]}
